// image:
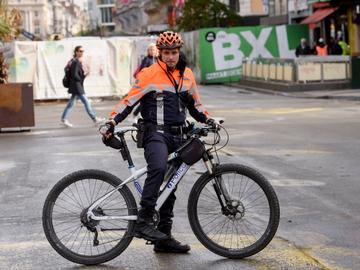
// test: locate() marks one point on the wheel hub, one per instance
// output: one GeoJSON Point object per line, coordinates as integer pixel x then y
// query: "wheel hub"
{"type": "Point", "coordinates": [91, 224]}
{"type": "Point", "coordinates": [235, 210]}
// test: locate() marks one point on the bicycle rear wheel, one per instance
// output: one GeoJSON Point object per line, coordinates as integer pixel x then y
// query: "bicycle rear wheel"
{"type": "Point", "coordinates": [72, 234]}
{"type": "Point", "coordinates": [241, 226]}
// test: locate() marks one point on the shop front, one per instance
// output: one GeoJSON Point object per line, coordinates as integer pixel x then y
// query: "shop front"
{"type": "Point", "coordinates": [338, 20]}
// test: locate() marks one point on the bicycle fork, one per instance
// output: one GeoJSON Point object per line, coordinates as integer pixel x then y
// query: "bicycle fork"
{"type": "Point", "coordinates": [219, 187]}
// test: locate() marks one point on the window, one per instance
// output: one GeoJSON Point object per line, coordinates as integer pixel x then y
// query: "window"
{"type": "Point", "coordinates": [106, 15]}
{"type": "Point", "coordinates": [106, 2]}
{"type": "Point", "coordinates": [37, 30]}
{"type": "Point", "coordinates": [36, 13]}
{"type": "Point", "coordinates": [271, 7]}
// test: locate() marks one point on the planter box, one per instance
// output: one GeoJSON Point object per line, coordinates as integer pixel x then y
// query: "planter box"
{"type": "Point", "coordinates": [16, 105]}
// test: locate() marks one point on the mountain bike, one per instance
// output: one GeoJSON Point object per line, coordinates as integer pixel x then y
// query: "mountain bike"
{"type": "Point", "coordinates": [89, 215]}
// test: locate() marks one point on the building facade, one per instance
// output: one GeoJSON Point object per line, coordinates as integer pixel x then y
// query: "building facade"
{"type": "Point", "coordinates": [34, 15]}
{"type": "Point", "coordinates": [42, 19]}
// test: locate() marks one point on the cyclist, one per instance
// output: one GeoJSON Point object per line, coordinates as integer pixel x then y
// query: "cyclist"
{"type": "Point", "coordinates": [164, 90]}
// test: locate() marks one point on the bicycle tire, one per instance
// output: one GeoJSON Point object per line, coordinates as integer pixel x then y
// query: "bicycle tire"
{"type": "Point", "coordinates": [199, 230]}
{"type": "Point", "coordinates": [66, 184]}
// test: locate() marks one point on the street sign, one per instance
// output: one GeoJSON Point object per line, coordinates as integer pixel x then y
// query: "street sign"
{"type": "Point", "coordinates": [28, 35]}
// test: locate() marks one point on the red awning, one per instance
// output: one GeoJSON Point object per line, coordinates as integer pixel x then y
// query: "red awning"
{"type": "Point", "coordinates": [319, 15]}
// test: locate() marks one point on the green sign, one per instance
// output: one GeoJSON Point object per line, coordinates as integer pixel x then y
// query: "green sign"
{"type": "Point", "coordinates": [223, 50]}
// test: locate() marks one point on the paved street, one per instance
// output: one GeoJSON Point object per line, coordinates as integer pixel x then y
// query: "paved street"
{"type": "Point", "coordinates": [308, 148]}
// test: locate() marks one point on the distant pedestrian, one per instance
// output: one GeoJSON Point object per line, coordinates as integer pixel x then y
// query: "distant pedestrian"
{"type": "Point", "coordinates": [76, 88]}
{"type": "Point", "coordinates": [303, 48]}
{"type": "Point", "coordinates": [344, 46]}
{"type": "Point", "coordinates": [148, 60]}
{"type": "Point", "coordinates": [321, 48]}
{"type": "Point", "coordinates": [334, 47]}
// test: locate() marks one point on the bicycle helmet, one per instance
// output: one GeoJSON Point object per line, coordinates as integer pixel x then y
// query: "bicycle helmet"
{"type": "Point", "coordinates": [169, 40]}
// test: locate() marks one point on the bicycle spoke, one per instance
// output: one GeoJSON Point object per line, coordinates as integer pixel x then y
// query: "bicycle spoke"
{"type": "Point", "coordinates": [234, 231]}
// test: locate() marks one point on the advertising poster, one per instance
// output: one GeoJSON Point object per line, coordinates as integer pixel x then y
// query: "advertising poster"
{"type": "Point", "coordinates": [223, 50]}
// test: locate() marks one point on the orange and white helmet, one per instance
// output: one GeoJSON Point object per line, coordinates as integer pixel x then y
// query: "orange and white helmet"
{"type": "Point", "coordinates": [169, 40]}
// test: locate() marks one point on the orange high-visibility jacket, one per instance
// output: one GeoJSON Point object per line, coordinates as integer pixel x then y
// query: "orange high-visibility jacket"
{"type": "Point", "coordinates": [322, 51]}
{"type": "Point", "coordinates": [160, 103]}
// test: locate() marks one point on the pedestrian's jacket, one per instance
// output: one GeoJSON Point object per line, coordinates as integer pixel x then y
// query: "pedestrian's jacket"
{"type": "Point", "coordinates": [77, 77]}
{"type": "Point", "coordinates": [302, 50]}
{"type": "Point", "coordinates": [147, 62]}
{"type": "Point", "coordinates": [322, 50]}
{"type": "Point", "coordinates": [160, 103]}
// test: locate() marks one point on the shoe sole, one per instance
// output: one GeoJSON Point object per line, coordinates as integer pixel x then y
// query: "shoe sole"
{"type": "Point", "coordinates": [140, 235]}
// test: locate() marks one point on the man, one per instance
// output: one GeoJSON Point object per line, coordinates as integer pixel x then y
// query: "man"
{"type": "Point", "coordinates": [164, 90]}
{"type": "Point", "coordinates": [303, 48]}
{"type": "Point", "coordinates": [334, 47]}
{"type": "Point", "coordinates": [344, 46]}
{"type": "Point", "coordinates": [321, 48]}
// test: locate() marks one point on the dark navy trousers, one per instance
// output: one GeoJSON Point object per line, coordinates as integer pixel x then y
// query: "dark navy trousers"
{"type": "Point", "coordinates": [157, 148]}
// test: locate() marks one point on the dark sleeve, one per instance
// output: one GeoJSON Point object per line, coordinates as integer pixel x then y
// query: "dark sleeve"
{"type": "Point", "coordinates": [198, 116]}
{"type": "Point", "coordinates": [297, 52]}
{"type": "Point", "coordinates": [121, 116]}
{"type": "Point", "coordinates": [75, 71]}
{"type": "Point", "coordinates": [143, 63]}
{"type": "Point", "coordinates": [190, 105]}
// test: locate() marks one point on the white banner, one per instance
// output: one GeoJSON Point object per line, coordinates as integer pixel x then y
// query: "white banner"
{"type": "Point", "coordinates": [110, 62]}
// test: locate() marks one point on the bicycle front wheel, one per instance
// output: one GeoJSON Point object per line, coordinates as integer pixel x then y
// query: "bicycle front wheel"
{"type": "Point", "coordinates": [75, 236]}
{"type": "Point", "coordinates": [233, 212]}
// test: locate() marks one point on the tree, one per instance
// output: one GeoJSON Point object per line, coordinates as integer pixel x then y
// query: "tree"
{"type": "Point", "coordinates": [207, 13]}
{"type": "Point", "coordinates": [10, 22]}
{"type": "Point", "coordinates": [9, 29]}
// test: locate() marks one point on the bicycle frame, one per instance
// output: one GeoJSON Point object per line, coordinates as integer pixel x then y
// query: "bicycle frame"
{"type": "Point", "coordinates": [135, 175]}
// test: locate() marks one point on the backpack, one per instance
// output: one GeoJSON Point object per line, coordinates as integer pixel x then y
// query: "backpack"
{"type": "Point", "coordinates": [66, 79]}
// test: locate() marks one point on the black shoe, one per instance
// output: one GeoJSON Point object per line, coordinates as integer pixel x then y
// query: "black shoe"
{"type": "Point", "coordinates": [170, 245]}
{"type": "Point", "coordinates": [147, 231]}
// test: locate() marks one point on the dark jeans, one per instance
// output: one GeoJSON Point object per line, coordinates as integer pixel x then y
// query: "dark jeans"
{"type": "Point", "coordinates": [157, 148]}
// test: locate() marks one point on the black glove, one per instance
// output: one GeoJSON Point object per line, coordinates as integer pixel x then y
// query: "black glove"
{"type": "Point", "coordinates": [107, 129]}
{"type": "Point", "coordinates": [210, 122]}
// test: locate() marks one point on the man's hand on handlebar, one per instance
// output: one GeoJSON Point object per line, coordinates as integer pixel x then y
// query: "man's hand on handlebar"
{"type": "Point", "coordinates": [107, 130]}
{"type": "Point", "coordinates": [213, 123]}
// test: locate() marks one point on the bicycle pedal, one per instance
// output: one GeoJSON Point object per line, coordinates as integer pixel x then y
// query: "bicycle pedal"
{"type": "Point", "coordinates": [149, 243]}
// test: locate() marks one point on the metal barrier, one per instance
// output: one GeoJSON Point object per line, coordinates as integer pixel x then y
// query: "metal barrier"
{"type": "Point", "coordinates": [299, 70]}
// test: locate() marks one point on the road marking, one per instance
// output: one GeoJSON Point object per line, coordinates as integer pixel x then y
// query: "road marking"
{"type": "Point", "coordinates": [6, 165]}
{"type": "Point", "coordinates": [296, 183]}
{"type": "Point", "coordinates": [236, 151]}
{"type": "Point", "coordinates": [274, 111]}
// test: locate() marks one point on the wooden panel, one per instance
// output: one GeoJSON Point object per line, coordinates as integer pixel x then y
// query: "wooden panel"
{"type": "Point", "coordinates": [16, 105]}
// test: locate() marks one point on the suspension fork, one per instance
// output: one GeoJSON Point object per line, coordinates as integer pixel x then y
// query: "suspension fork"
{"type": "Point", "coordinates": [218, 183]}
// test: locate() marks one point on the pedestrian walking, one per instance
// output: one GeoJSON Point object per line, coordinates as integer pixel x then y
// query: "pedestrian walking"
{"type": "Point", "coordinates": [303, 48]}
{"type": "Point", "coordinates": [76, 88]}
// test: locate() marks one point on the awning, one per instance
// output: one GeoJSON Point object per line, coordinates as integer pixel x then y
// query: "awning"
{"type": "Point", "coordinates": [319, 15]}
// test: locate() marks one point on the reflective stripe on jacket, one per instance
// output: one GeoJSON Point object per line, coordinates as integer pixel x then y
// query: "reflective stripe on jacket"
{"type": "Point", "coordinates": [160, 104]}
